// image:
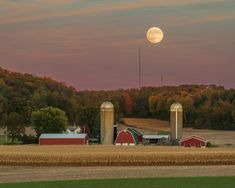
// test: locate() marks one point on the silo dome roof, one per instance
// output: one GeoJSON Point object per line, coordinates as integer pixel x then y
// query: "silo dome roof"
{"type": "Point", "coordinates": [106, 105]}
{"type": "Point", "coordinates": [175, 106]}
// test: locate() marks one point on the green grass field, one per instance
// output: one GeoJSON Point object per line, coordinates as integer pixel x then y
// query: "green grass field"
{"type": "Point", "coordinates": [2, 139]}
{"type": "Point", "coordinates": [189, 182]}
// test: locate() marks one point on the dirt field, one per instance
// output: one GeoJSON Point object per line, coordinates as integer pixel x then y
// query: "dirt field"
{"type": "Point", "coordinates": [153, 126]}
{"type": "Point", "coordinates": [144, 125]}
{"type": "Point", "coordinates": [25, 173]}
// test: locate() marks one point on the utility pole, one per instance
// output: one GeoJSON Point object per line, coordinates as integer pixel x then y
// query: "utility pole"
{"type": "Point", "coordinates": [139, 68]}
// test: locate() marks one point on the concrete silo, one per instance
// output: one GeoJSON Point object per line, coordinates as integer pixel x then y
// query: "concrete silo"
{"type": "Point", "coordinates": [176, 121]}
{"type": "Point", "coordinates": [107, 122]}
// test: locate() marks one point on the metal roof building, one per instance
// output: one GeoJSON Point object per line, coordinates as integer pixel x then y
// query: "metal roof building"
{"type": "Point", "coordinates": [154, 139]}
{"type": "Point", "coordinates": [193, 141]}
{"type": "Point", "coordinates": [155, 136]}
{"type": "Point", "coordinates": [63, 139]}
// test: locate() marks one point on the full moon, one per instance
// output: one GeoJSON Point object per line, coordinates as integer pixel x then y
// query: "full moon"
{"type": "Point", "coordinates": [154, 35]}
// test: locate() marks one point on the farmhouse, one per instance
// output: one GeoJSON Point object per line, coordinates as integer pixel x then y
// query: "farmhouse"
{"type": "Point", "coordinates": [63, 139]}
{"type": "Point", "coordinates": [126, 137]}
{"type": "Point", "coordinates": [193, 141]}
{"type": "Point", "coordinates": [154, 139]}
{"type": "Point", "coordinates": [73, 130]}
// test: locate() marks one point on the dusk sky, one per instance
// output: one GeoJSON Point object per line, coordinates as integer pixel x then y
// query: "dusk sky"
{"type": "Point", "coordinates": [93, 44]}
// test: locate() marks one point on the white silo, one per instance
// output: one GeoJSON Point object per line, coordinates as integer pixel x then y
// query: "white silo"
{"type": "Point", "coordinates": [107, 122]}
{"type": "Point", "coordinates": [176, 121]}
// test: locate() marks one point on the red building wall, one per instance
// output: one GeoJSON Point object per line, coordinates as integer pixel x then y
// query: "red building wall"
{"type": "Point", "coordinates": [63, 141]}
{"type": "Point", "coordinates": [125, 137]}
{"type": "Point", "coordinates": [193, 142]}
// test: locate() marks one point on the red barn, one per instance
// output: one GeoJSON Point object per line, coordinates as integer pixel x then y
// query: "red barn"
{"type": "Point", "coordinates": [126, 137]}
{"type": "Point", "coordinates": [63, 139]}
{"type": "Point", "coordinates": [138, 134]}
{"type": "Point", "coordinates": [193, 141]}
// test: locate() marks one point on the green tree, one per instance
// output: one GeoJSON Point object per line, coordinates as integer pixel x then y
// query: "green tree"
{"type": "Point", "coordinates": [15, 126]}
{"type": "Point", "coordinates": [140, 106]}
{"type": "Point", "coordinates": [49, 120]}
{"type": "Point", "coordinates": [159, 106]}
{"type": "Point", "coordinates": [41, 97]}
{"type": "Point", "coordinates": [89, 116]}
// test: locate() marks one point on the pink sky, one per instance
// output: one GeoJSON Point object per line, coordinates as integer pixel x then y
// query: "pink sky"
{"type": "Point", "coordinates": [94, 44]}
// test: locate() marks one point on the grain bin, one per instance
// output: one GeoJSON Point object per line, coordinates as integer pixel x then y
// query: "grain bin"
{"type": "Point", "coordinates": [176, 121]}
{"type": "Point", "coordinates": [107, 122]}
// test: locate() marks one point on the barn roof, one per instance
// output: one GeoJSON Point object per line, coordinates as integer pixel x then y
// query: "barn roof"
{"type": "Point", "coordinates": [135, 131]}
{"type": "Point", "coordinates": [63, 136]}
{"type": "Point", "coordinates": [193, 136]}
{"type": "Point", "coordinates": [155, 136]}
{"type": "Point", "coordinates": [135, 137]}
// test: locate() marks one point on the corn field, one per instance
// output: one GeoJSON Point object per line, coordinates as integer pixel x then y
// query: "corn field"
{"type": "Point", "coordinates": [33, 155]}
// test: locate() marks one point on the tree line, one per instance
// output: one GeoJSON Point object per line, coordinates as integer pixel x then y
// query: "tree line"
{"type": "Point", "coordinates": [205, 106]}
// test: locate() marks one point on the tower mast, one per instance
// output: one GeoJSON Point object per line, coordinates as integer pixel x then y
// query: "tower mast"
{"type": "Point", "coordinates": [139, 67]}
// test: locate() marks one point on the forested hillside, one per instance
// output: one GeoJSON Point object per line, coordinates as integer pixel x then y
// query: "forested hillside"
{"type": "Point", "coordinates": [204, 106]}
{"type": "Point", "coordinates": [20, 94]}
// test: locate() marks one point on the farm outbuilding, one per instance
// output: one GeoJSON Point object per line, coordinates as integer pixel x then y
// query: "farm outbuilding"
{"type": "Point", "coordinates": [193, 141]}
{"type": "Point", "coordinates": [127, 137]}
{"type": "Point", "coordinates": [63, 139]}
{"type": "Point", "coordinates": [154, 139]}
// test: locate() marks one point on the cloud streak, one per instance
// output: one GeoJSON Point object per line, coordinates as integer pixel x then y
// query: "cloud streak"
{"type": "Point", "coordinates": [34, 11]}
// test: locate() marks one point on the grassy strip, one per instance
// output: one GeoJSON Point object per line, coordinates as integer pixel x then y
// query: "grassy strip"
{"type": "Point", "coordinates": [182, 182]}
